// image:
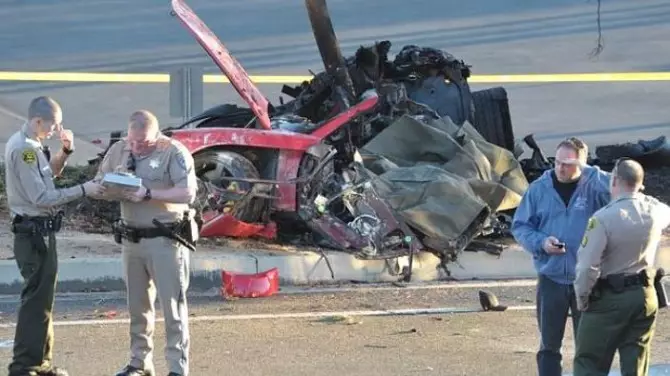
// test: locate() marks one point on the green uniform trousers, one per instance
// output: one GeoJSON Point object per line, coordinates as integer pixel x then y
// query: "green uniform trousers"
{"type": "Point", "coordinates": [625, 322]}
{"type": "Point", "coordinates": [33, 341]}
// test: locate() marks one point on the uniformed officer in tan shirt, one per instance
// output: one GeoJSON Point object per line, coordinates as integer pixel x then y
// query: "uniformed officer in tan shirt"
{"type": "Point", "coordinates": [614, 277]}
{"type": "Point", "coordinates": [33, 199]}
{"type": "Point", "coordinates": [169, 186]}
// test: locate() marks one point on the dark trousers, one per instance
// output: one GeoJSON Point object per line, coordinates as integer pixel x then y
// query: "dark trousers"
{"type": "Point", "coordinates": [33, 341]}
{"type": "Point", "coordinates": [554, 301]}
{"type": "Point", "coordinates": [624, 322]}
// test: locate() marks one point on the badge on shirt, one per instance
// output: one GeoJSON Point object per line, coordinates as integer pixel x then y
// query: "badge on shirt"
{"type": "Point", "coordinates": [29, 156]}
{"type": "Point", "coordinates": [154, 163]}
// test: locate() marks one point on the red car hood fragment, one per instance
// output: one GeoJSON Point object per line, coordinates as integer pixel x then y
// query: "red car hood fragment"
{"type": "Point", "coordinates": [229, 66]}
{"type": "Point", "coordinates": [259, 285]}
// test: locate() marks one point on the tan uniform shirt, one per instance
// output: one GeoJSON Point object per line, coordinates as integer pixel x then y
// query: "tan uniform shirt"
{"type": "Point", "coordinates": [29, 179]}
{"type": "Point", "coordinates": [622, 237]}
{"type": "Point", "coordinates": [169, 165]}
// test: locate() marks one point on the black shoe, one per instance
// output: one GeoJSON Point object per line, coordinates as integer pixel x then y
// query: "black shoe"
{"type": "Point", "coordinates": [53, 371]}
{"type": "Point", "coordinates": [133, 371]}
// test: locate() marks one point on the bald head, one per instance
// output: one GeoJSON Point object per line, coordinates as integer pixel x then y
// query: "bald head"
{"type": "Point", "coordinates": [143, 131]}
{"type": "Point", "coordinates": [44, 117]}
{"type": "Point", "coordinates": [629, 173]}
{"type": "Point", "coordinates": [144, 120]}
{"type": "Point", "coordinates": [44, 108]}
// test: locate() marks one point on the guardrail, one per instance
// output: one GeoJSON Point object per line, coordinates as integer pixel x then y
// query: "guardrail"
{"type": "Point", "coordinates": [286, 79]}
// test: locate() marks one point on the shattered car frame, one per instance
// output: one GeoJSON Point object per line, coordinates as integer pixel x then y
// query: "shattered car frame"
{"type": "Point", "coordinates": [296, 168]}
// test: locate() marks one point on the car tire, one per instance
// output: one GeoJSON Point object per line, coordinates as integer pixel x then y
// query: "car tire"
{"type": "Point", "coordinates": [228, 163]}
{"type": "Point", "coordinates": [492, 117]}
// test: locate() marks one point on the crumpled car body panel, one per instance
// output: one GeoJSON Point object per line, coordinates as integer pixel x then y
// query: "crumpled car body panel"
{"type": "Point", "coordinates": [240, 285]}
{"type": "Point", "coordinates": [226, 62]}
{"type": "Point", "coordinates": [442, 179]}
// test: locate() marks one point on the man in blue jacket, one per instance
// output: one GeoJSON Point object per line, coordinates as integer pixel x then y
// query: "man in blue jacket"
{"type": "Point", "coordinates": [549, 224]}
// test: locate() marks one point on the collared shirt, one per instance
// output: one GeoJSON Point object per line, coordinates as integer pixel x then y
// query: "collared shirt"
{"type": "Point", "coordinates": [169, 165]}
{"type": "Point", "coordinates": [29, 179]}
{"type": "Point", "coordinates": [622, 237]}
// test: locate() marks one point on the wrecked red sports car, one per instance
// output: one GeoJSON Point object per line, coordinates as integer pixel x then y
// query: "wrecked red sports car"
{"type": "Point", "coordinates": [375, 157]}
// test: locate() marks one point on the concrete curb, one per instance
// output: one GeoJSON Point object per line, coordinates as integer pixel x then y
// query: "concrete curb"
{"type": "Point", "coordinates": [295, 268]}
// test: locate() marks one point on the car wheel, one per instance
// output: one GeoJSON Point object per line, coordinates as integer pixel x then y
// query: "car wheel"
{"type": "Point", "coordinates": [211, 167]}
{"type": "Point", "coordinates": [492, 117]}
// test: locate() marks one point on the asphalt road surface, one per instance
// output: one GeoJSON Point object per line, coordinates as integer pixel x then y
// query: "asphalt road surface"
{"type": "Point", "coordinates": [274, 37]}
{"type": "Point", "coordinates": [227, 338]}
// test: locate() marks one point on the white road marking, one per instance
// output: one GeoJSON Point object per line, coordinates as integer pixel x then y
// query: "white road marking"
{"type": "Point", "coordinates": [296, 290]}
{"type": "Point", "coordinates": [13, 114]}
{"type": "Point", "coordinates": [7, 344]}
{"type": "Point", "coordinates": [295, 315]}
{"type": "Point", "coordinates": [418, 286]}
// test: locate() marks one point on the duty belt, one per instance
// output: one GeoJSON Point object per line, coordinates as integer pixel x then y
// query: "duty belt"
{"type": "Point", "coordinates": [134, 234]}
{"type": "Point", "coordinates": [618, 282]}
{"type": "Point", "coordinates": [43, 225]}
{"type": "Point", "coordinates": [179, 231]}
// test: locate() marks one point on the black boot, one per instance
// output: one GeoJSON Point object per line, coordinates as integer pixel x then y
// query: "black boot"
{"type": "Point", "coordinates": [133, 371]}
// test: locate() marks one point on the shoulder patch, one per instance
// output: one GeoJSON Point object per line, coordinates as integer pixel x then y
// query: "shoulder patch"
{"type": "Point", "coordinates": [29, 156]}
{"type": "Point", "coordinates": [585, 241]}
{"type": "Point", "coordinates": [181, 161]}
{"type": "Point", "coordinates": [591, 224]}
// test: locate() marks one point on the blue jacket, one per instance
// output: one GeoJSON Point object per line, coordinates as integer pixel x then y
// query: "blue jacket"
{"type": "Point", "coordinates": [542, 213]}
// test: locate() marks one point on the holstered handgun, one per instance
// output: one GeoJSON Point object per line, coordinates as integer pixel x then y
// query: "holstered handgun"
{"type": "Point", "coordinates": [660, 288]}
{"type": "Point", "coordinates": [24, 227]}
{"type": "Point", "coordinates": [37, 225]}
{"type": "Point", "coordinates": [122, 231]}
{"type": "Point", "coordinates": [117, 231]}
{"type": "Point", "coordinates": [58, 221]}
{"type": "Point", "coordinates": [596, 293]}
{"type": "Point", "coordinates": [186, 233]}
{"type": "Point", "coordinates": [616, 283]}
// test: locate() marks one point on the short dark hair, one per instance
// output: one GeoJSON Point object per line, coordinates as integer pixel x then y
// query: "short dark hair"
{"type": "Point", "coordinates": [629, 171]}
{"type": "Point", "coordinates": [576, 144]}
{"type": "Point", "coordinates": [44, 108]}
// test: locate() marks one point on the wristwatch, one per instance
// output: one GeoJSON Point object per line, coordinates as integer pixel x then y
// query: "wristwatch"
{"type": "Point", "coordinates": [67, 151]}
{"type": "Point", "coordinates": [147, 195]}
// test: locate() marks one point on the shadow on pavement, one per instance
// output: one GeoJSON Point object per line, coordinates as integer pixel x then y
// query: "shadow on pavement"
{"type": "Point", "coordinates": [655, 370]}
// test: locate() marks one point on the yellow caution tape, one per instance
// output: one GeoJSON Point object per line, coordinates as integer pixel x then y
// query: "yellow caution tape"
{"type": "Point", "coordinates": [262, 79]}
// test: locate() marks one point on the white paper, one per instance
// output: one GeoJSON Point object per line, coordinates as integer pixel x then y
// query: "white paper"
{"type": "Point", "coordinates": [117, 183]}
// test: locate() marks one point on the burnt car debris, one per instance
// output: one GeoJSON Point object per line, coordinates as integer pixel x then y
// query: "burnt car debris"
{"type": "Point", "coordinates": [377, 157]}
